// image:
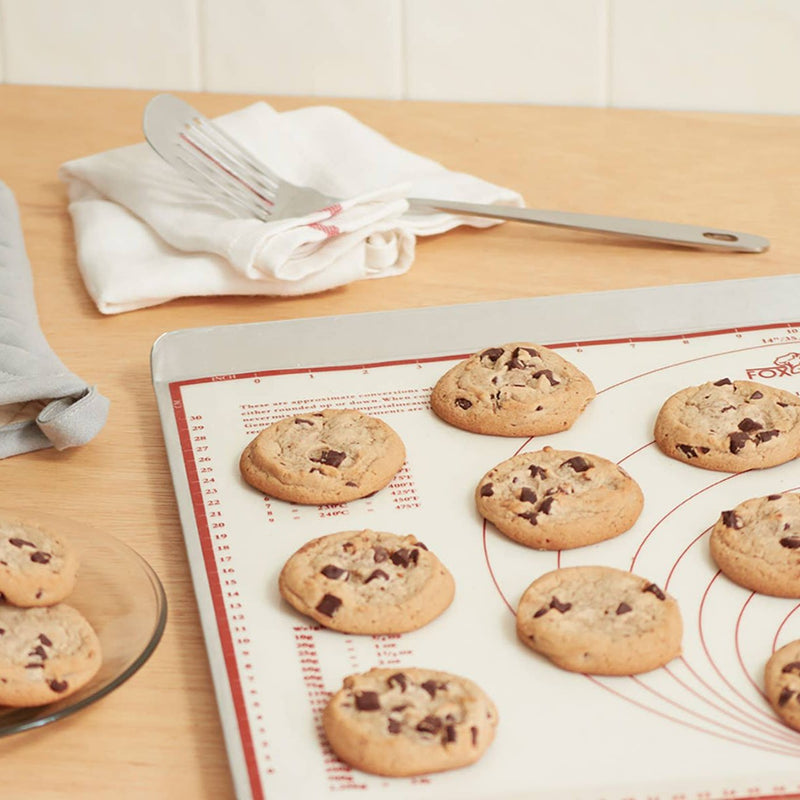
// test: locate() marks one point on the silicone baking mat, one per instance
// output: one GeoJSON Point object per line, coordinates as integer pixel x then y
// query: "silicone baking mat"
{"type": "Point", "coordinates": [696, 728]}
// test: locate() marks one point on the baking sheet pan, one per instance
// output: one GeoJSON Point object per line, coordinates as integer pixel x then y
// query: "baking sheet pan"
{"type": "Point", "coordinates": [699, 727]}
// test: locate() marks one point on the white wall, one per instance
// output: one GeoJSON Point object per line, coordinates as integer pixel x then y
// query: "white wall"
{"type": "Point", "coordinates": [718, 55]}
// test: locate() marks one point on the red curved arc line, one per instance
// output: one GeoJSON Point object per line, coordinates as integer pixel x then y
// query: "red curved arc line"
{"type": "Point", "coordinates": [778, 730]}
{"type": "Point", "coordinates": [492, 575]}
{"type": "Point", "coordinates": [708, 654]}
{"type": "Point", "coordinates": [697, 677]}
{"type": "Point", "coordinates": [687, 724]}
{"type": "Point", "coordinates": [700, 716]}
{"type": "Point", "coordinates": [637, 450]}
{"type": "Point", "coordinates": [675, 508]}
{"type": "Point", "coordinates": [688, 361]}
{"type": "Point", "coordinates": [695, 713]}
{"type": "Point", "coordinates": [780, 627]}
{"type": "Point", "coordinates": [683, 553]}
{"type": "Point", "coordinates": [738, 650]}
{"type": "Point", "coordinates": [522, 446]}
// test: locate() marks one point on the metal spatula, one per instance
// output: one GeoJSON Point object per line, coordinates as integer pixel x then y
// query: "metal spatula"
{"type": "Point", "coordinates": [201, 151]}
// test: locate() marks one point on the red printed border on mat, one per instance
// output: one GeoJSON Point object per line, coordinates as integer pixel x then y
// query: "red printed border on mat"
{"type": "Point", "coordinates": [226, 641]}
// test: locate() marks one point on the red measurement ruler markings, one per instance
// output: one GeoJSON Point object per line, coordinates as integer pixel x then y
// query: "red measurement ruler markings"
{"type": "Point", "coordinates": [204, 535]}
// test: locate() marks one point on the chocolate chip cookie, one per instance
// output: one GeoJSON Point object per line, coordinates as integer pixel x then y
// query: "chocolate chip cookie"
{"type": "Point", "coordinates": [38, 567]}
{"type": "Point", "coordinates": [516, 389]}
{"type": "Point", "coordinates": [558, 499]}
{"type": "Point", "coordinates": [46, 654]}
{"type": "Point", "coordinates": [782, 683]}
{"type": "Point", "coordinates": [600, 621]}
{"type": "Point", "coordinates": [367, 582]}
{"type": "Point", "coordinates": [730, 426]}
{"type": "Point", "coordinates": [757, 544]}
{"type": "Point", "coordinates": [330, 456]}
{"type": "Point", "coordinates": [409, 722]}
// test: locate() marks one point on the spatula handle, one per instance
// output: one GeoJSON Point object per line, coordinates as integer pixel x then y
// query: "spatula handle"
{"type": "Point", "coordinates": [706, 238]}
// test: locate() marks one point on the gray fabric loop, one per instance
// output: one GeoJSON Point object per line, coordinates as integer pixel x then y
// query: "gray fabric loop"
{"type": "Point", "coordinates": [29, 369]}
{"type": "Point", "coordinates": [70, 422]}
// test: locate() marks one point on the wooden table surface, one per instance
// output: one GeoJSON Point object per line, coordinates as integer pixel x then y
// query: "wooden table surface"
{"type": "Point", "coordinates": [159, 734]}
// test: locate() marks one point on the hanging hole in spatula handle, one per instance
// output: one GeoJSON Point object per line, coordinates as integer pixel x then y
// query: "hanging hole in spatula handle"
{"type": "Point", "coordinates": [721, 237]}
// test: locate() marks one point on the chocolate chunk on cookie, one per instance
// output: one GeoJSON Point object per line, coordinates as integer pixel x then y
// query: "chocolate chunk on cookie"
{"type": "Point", "coordinates": [38, 567]}
{"type": "Point", "coordinates": [782, 683]}
{"type": "Point", "coordinates": [367, 582]}
{"type": "Point", "coordinates": [600, 621]}
{"type": "Point", "coordinates": [757, 544]}
{"type": "Point", "coordinates": [516, 389]}
{"type": "Point", "coordinates": [730, 426]}
{"type": "Point", "coordinates": [46, 654]}
{"type": "Point", "coordinates": [558, 499]}
{"type": "Point", "coordinates": [409, 722]}
{"type": "Point", "coordinates": [329, 456]}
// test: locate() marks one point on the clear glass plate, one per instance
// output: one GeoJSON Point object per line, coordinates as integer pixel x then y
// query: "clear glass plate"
{"type": "Point", "coordinates": [123, 599]}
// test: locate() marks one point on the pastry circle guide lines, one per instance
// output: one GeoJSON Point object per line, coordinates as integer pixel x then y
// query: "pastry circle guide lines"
{"type": "Point", "coordinates": [716, 690]}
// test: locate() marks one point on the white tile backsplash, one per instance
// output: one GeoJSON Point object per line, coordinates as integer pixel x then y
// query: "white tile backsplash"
{"type": "Point", "coordinates": [312, 47]}
{"type": "Point", "coordinates": [146, 44]}
{"type": "Point", "coordinates": [719, 55]}
{"type": "Point", "coordinates": [518, 51]}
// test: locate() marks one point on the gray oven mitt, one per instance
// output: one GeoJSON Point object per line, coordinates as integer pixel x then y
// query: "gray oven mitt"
{"type": "Point", "coordinates": [42, 404]}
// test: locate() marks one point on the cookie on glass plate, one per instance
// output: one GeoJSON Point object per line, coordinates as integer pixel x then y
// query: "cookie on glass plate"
{"type": "Point", "coordinates": [782, 683]}
{"type": "Point", "coordinates": [516, 389]}
{"type": "Point", "coordinates": [46, 654]}
{"type": "Point", "coordinates": [730, 426]}
{"type": "Point", "coordinates": [38, 566]}
{"type": "Point", "coordinates": [329, 456]}
{"type": "Point", "coordinates": [757, 544]}
{"type": "Point", "coordinates": [599, 620]}
{"type": "Point", "coordinates": [367, 582]}
{"type": "Point", "coordinates": [409, 722]}
{"type": "Point", "coordinates": [559, 499]}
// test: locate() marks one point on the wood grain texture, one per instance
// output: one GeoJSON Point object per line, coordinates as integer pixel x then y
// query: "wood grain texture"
{"type": "Point", "coordinates": [159, 734]}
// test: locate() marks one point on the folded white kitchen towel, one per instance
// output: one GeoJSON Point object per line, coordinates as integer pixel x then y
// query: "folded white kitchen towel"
{"type": "Point", "coordinates": [146, 235]}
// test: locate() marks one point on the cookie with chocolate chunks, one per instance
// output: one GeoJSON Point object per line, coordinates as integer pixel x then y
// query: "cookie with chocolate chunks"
{"type": "Point", "coordinates": [409, 722]}
{"type": "Point", "coordinates": [516, 389]}
{"type": "Point", "coordinates": [782, 683]}
{"type": "Point", "coordinates": [367, 582]}
{"type": "Point", "coordinates": [329, 456]}
{"type": "Point", "coordinates": [757, 544]}
{"type": "Point", "coordinates": [38, 567]}
{"type": "Point", "coordinates": [559, 499]}
{"type": "Point", "coordinates": [46, 654]}
{"type": "Point", "coordinates": [599, 620]}
{"type": "Point", "coordinates": [730, 426]}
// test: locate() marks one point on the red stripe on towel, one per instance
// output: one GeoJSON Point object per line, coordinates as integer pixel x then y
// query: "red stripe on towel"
{"type": "Point", "coordinates": [328, 230]}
